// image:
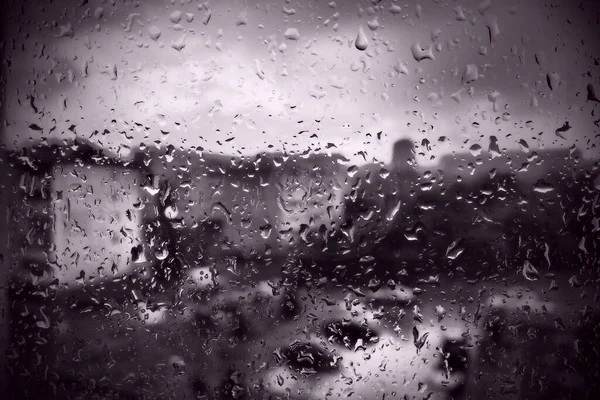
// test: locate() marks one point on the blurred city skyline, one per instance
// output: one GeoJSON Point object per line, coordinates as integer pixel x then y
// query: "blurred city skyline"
{"type": "Point", "coordinates": [232, 77]}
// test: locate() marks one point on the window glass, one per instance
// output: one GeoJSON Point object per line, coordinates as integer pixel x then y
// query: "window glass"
{"type": "Point", "coordinates": [249, 199]}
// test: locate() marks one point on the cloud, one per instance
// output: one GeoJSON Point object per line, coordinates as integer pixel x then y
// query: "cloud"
{"type": "Point", "coordinates": [243, 78]}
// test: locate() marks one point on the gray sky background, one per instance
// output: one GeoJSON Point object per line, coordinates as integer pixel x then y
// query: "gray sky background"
{"type": "Point", "coordinates": [239, 78]}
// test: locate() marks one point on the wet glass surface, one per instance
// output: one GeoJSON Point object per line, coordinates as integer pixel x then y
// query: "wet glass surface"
{"type": "Point", "coordinates": [299, 200]}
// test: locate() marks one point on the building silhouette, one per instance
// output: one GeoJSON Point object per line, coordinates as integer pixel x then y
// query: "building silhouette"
{"type": "Point", "coordinates": [403, 154]}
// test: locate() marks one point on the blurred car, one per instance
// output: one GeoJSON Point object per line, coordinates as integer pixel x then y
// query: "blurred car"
{"type": "Point", "coordinates": [454, 342]}
{"type": "Point", "coordinates": [314, 342]}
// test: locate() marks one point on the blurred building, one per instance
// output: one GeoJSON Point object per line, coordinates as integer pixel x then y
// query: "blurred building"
{"type": "Point", "coordinates": [310, 193]}
{"type": "Point", "coordinates": [525, 204]}
{"type": "Point", "coordinates": [257, 206]}
{"type": "Point", "coordinates": [404, 169]}
{"type": "Point", "coordinates": [76, 220]}
{"type": "Point", "coordinates": [79, 215]}
{"type": "Point", "coordinates": [215, 205]}
{"type": "Point", "coordinates": [527, 166]}
{"type": "Point", "coordinates": [403, 154]}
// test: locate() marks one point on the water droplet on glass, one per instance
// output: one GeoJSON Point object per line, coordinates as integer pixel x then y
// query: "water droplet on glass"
{"type": "Point", "coordinates": [494, 96]}
{"type": "Point", "coordinates": [456, 95]}
{"type": "Point", "coordinates": [530, 272]}
{"type": "Point", "coordinates": [440, 312]}
{"type": "Point", "coordinates": [418, 340]}
{"type": "Point", "coordinates": [280, 380]}
{"type": "Point", "coordinates": [392, 213]}
{"type": "Point", "coordinates": [66, 31]}
{"type": "Point", "coordinates": [494, 148]}
{"type": "Point", "coordinates": [484, 6]}
{"type": "Point", "coordinates": [220, 207]}
{"type": "Point", "coordinates": [419, 11]}
{"type": "Point", "coordinates": [597, 183]}
{"type": "Point", "coordinates": [552, 79]}
{"type": "Point", "coordinates": [161, 254]}
{"type": "Point", "coordinates": [400, 68]}
{"type": "Point", "coordinates": [258, 69]}
{"type": "Point", "coordinates": [361, 41]}
{"type": "Point", "coordinates": [241, 19]}
{"type": "Point", "coordinates": [534, 102]}
{"type": "Point", "coordinates": [179, 44]}
{"type": "Point", "coordinates": [337, 82]}
{"type": "Point", "coordinates": [493, 30]}
{"type": "Point", "coordinates": [178, 364]}
{"type": "Point", "coordinates": [471, 74]}
{"type": "Point", "coordinates": [373, 24]}
{"type": "Point", "coordinates": [459, 13]}
{"type": "Point", "coordinates": [291, 34]}
{"type": "Point", "coordinates": [421, 54]}
{"type": "Point", "coordinates": [524, 145]}
{"type": "Point", "coordinates": [171, 212]}
{"type": "Point", "coordinates": [475, 150]}
{"type": "Point", "coordinates": [591, 93]}
{"type": "Point", "coordinates": [154, 32]}
{"type": "Point", "coordinates": [455, 249]}
{"type": "Point", "coordinates": [582, 245]}
{"type": "Point", "coordinates": [542, 186]}
{"type": "Point", "coordinates": [45, 322]}
{"type": "Point", "coordinates": [540, 58]}
{"type": "Point", "coordinates": [559, 132]}
{"type": "Point", "coordinates": [175, 16]}
{"type": "Point", "coordinates": [206, 18]}
{"type": "Point", "coordinates": [265, 231]}
{"type": "Point", "coordinates": [395, 9]}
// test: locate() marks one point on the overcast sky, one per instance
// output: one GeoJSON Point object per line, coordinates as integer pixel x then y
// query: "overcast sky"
{"type": "Point", "coordinates": [282, 75]}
